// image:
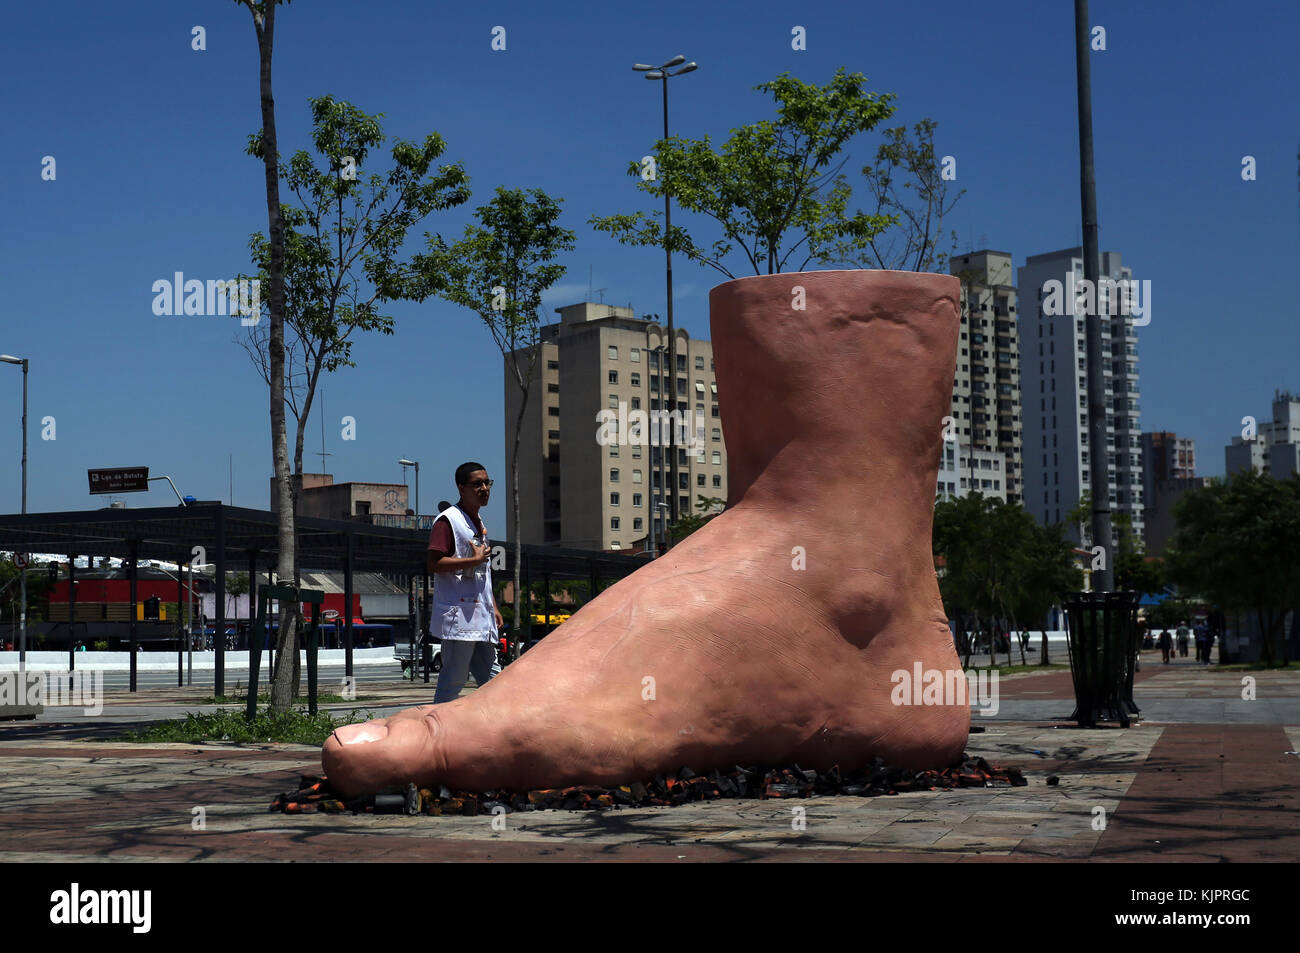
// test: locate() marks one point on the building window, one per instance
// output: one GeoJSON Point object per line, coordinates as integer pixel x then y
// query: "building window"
{"type": "Point", "coordinates": [636, 451]}
{"type": "Point", "coordinates": [613, 474]}
{"type": "Point", "coordinates": [613, 450]}
{"type": "Point", "coordinates": [699, 389]}
{"type": "Point", "coordinates": [637, 522]}
{"type": "Point", "coordinates": [636, 403]}
{"type": "Point", "coordinates": [636, 476]}
{"type": "Point", "coordinates": [553, 411]}
{"type": "Point", "coordinates": [699, 479]}
{"type": "Point", "coordinates": [653, 360]}
{"type": "Point", "coordinates": [681, 362]}
{"type": "Point", "coordinates": [635, 356]}
{"type": "Point", "coordinates": [613, 522]}
{"type": "Point", "coordinates": [654, 385]}
{"type": "Point", "coordinates": [717, 458]}
{"type": "Point", "coordinates": [613, 377]}
{"type": "Point", "coordinates": [717, 480]}
{"type": "Point", "coordinates": [681, 387]}
{"type": "Point", "coordinates": [552, 435]}
{"type": "Point", "coordinates": [715, 411]}
{"type": "Point", "coordinates": [636, 379]}
{"type": "Point", "coordinates": [684, 504]}
{"type": "Point", "coordinates": [552, 388]}
{"type": "Point", "coordinates": [717, 434]}
{"type": "Point", "coordinates": [613, 499]}
{"type": "Point", "coordinates": [636, 499]}
{"type": "Point", "coordinates": [683, 481]}
{"type": "Point", "coordinates": [613, 353]}
{"type": "Point", "coordinates": [613, 401]}
{"type": "Point", "coordinates": [699, 362]}
{"type": "Point", "coordinates": [552, 365]}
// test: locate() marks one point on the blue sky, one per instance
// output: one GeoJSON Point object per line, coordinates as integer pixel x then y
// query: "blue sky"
{"type": "Point", "coordinates": [148, 136]}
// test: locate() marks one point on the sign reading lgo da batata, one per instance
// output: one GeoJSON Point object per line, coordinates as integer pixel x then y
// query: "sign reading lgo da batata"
{"type": "Point", "coordinates": [120, 480]}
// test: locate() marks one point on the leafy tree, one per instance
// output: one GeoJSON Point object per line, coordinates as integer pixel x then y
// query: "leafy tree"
{"type": "Point", "coordinates": [708, 506]}
{"type": "Point", "coordinates": [1238, 543]}
{"type": "Point", "coordinates": [913, 247]}
{"type": "Point", "coordinates": [1050, 571]}
{"type": "Point", "coordinates": [770, 179]}
{"type": "Point", "coordinates": [341, 256]}
{"type": "Point", "coordinates": [263, 14]}
{"type": "Point", "coordinates": [499, 270]}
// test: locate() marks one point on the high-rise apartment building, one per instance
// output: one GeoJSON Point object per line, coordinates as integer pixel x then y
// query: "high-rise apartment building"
{"type": "Point", "coordinates": [1168, 472]}
{"type": "Point", "coordinates": [1275, 446]}
{"type": "Point", "coordinates": [1054, 382]}
{"type": "Point", "coordinates": [986, 388]}
{"type": "Point", "coordinates": [593, 480]}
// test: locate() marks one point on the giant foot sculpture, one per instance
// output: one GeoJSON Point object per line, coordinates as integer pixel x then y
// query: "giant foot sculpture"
{"type": "Point", "coordinates": [773, 634]}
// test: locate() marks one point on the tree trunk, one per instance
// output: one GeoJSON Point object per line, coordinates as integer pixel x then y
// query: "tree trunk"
{"type": "Point", "coordinates": [281, 695]}
{"type": "Point", "coordinates": [1044, 661]}
{"type": "Point", "coordinates": [519, 545]}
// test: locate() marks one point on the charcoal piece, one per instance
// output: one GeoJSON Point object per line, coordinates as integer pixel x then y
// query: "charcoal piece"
{"type": "Point", "coordinates": [390, 804]}
{"type": "Point", "coordinates": [443, 792]}
{"type": "Point", "coordinates": [781, 790]}
{"type": "Point", "coordinates": [685, 774]}
{"type": "Point", "coordinates": [413, 800]}
{"type": "Point", "coordinates": [1053, 781]}
{"type": "Point", "coordinates": [622, 795]}
{"type": "Point", "coordinates": [639, 792]}
{"type": "Point", "coordinates": [853, 790]}
{"type": "Point", "coordinates": [490, 807]}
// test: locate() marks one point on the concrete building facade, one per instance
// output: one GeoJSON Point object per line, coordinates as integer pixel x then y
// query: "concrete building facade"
{"type": "Point", "coordinates": [986, 389]}
{"type": "Point", "coordinates": [1054, 379]}
{"type": "Point", "coordinates": [594, 470]}
{"type": "Point", "coordinates": [1275, 448]}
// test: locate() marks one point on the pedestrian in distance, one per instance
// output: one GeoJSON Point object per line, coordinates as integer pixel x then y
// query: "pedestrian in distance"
{"type": "Point", "coordinates": [1184, 633]}
{"type": "Point", "coordinates": [1166, 645]}
{"type": "Point", "coordinates": [465, 614]}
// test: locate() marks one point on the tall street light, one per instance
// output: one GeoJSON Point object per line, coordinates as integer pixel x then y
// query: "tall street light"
{"type": "Point", "coordinates": [22, 626]}
{"type": "Point", "coordinates": [662, 73]}
{"type": "Point", "coordinates": [414, 463]}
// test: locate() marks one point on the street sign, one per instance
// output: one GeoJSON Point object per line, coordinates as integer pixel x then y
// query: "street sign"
{"type": "Point", "coordinates": [120, 480]}
{"type": "Point", "coordinates": [20, 560]}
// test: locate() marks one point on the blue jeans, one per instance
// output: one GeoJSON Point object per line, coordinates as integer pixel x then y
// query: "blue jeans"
{"type": "Point", "coordinates": [460, 659]}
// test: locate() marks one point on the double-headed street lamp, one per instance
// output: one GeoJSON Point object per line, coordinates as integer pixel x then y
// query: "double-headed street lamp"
{"type": "Point", "coordinates": [22, 629]}
{"type": "Point", "coordinates": [662, 73]}
{"type": "Point", "coordinates": [414, 463]}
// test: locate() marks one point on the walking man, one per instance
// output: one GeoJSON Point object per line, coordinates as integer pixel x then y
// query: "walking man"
{"type": "Point", "coordinates": [1184, 632]}
{"type": "Point", "coordinates": [465, 615]}
{"type": "Point", "coordinates": [1166, 645]}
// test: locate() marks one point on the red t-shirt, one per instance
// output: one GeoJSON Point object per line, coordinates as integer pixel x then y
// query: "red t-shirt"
{"type": "Point", "coordinates": [441, 539]}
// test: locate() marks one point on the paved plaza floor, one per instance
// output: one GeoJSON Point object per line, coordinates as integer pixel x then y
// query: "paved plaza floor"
{"type": "Point", "coordinates": [1204, 775]}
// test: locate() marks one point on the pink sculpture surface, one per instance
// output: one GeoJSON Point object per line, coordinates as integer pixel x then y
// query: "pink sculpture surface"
{"type": "Point", "coordinates": [777, 632]}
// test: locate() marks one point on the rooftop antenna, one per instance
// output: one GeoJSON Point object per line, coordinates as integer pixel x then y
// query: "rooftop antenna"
{"type": "Point", "coordinates": [322, 453]}
{"type": "Point", "coordinates": [601, 292]}
{"type": "Point", "coordinates": [589, 282]}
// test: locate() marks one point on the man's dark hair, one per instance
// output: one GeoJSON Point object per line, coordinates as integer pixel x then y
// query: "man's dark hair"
{"type": "Point", "coordinates": [465, 469]}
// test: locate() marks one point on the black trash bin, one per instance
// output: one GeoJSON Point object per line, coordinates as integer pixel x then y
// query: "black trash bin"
{"type": "Point", "coordinates": [1102, 634]}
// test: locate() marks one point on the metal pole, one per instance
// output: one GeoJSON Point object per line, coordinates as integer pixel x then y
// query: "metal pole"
{"type": "Point", "coordinates": [22, 626]}
{"type": "Point", "coordinates": [672, 334]}
{"type": "Point", "coordinates": [180, 622]}
{"type": "Point", "coordinates": [347, 606]}
{"type": "Point", "coordinates": [417, 494]}
{"type": "Point", "coordinates": [1099, 470]}
{"type": "Point", "coordinates": [189, 631]}
{"type": "Point", "coordinates": [134, 611]}
{"type": "Point", "coordinates": [219, 637]}
{"type": "Point", "coordinates": [72, 615]}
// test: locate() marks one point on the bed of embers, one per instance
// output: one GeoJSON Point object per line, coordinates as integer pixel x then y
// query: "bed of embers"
{"type": "Point", "coordinates": [314, 793]}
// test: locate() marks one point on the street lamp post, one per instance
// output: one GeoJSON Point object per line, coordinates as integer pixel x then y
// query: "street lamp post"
{"type": "Point", "coordinates": [414, 463]}
{"type": "Point", "coordinates": [22, 625]}
{"type": "Point", "coordinates": [662, 73]}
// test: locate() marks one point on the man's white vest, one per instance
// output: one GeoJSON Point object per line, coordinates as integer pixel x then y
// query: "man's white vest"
{"type": "Point", "coordinates": [462, 602]}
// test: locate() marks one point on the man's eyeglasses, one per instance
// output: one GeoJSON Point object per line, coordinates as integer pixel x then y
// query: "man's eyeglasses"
{"type": "Point", "coordinates": [478, 483]}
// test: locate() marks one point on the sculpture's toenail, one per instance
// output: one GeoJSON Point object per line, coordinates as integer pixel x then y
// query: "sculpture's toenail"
{"type": "Point", "coordinates": [356, 734]}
